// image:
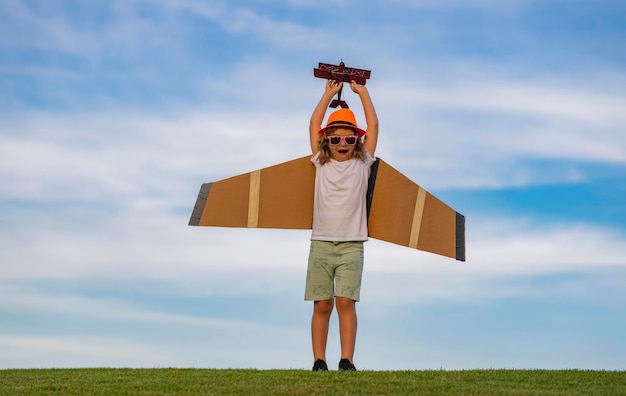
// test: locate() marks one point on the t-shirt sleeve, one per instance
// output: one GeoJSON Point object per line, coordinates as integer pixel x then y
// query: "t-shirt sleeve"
{"type": "Point", "coordinates": [369, 159]}
{"type": "Point", "coordinates": [315, 159]}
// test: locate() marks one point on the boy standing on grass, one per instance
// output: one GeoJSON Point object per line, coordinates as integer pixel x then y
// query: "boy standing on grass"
{"type": "Point", "coordinates": [342, 155]}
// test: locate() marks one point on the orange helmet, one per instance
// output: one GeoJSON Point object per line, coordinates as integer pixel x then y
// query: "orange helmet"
{"type": "Point", "coordinates": [342, 118]}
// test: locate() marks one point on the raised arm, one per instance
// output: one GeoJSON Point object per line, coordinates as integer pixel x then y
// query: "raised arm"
{"type": "Point", "coordinates": [371, 137]}
{"type": "Point", "coordinates": [332, 87]}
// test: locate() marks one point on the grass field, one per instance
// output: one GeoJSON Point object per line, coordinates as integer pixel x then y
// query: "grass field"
{"type": "Point", "coordinates": [300, 382]}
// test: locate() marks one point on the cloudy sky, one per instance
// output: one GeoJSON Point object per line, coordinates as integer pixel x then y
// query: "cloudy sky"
{"type": "Point", "coordinates": [113, 113]}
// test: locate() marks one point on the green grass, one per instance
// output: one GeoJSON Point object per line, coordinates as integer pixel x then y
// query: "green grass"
{"type": "Point", "coordinates": [301, 382]}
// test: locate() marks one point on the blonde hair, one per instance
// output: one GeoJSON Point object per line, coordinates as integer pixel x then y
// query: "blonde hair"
{"type": "Point", "coordinates": [325, 156]}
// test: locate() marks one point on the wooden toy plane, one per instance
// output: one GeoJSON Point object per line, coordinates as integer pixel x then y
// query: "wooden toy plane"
{"type": "Point", "coordinates": [281, 196]}
{"type": "Point", "coordinates": [341, 73]}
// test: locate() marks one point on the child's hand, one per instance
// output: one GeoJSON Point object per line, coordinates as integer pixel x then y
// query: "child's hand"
{"type": "Point", "coordinates": [356, 88]}
{"type": "Point", "coordinates": [333, 86]}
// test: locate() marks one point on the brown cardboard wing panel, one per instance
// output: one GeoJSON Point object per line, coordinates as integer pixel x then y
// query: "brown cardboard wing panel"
{"type": "Point", "coordinates": [286, 195]}
{"type": "Point", "coordinates": [402, 212]}
{"type": "Point", "coordinates": [227, 203]}
{"type": "Point", "coordinates": [393, 204]}
{"type": "Point", "coordinates": [280, 196]}
{"type": "Point", "coordinates": [438, 229]}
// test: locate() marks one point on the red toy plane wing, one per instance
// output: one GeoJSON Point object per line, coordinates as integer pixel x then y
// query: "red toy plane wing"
{"type": "Point", "coordinates": [341, 73]}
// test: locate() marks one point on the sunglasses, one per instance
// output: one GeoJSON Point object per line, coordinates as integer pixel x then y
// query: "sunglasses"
{"type": "Point", "coordinates": [335, 140]}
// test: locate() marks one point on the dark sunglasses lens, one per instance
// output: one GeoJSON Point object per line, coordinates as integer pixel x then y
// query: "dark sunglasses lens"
{"type": "Point", "coordinates": [334, 140]}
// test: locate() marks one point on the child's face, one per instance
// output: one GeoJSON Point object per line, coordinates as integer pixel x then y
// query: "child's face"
{"type": "Point", "coordinates": [342, 151]}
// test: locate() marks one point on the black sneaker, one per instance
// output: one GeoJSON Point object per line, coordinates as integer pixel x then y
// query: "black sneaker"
{"type": "Point", "coordinates": [345, 365]}
{"type": "Point", "coordinates": [320, 365]}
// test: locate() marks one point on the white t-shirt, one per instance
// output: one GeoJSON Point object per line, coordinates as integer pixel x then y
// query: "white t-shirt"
{"type": "Point", "coordinates": [339, 209]}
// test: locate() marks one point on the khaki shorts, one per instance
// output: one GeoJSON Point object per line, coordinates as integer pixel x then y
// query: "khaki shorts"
{"type": "Point", "coordinates": [335, 269]}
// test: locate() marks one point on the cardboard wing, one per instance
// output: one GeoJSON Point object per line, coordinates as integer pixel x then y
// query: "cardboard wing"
{"type": "Point", "coordinates": [281, 196]}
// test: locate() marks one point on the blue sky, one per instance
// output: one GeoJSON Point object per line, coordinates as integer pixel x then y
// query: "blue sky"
{"type": "Point", "coordinates": [115, 112]}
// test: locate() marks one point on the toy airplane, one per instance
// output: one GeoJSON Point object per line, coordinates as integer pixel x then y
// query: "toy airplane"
{"type": "Point", "coordinates": [281, 196]}
{"type": "Point", "coordinates": [341, 73]}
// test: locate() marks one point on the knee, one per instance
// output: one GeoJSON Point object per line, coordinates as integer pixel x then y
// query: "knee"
{"type": "Point", "coordinates": [345, 304]}
{"type": "Point", "coordinates": [323, 307]}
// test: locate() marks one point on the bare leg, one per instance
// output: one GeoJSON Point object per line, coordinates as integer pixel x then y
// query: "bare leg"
{"type": "Point", "coordinates": [346, 310]}
{"type": "Point", "coordinates": [319, 327]}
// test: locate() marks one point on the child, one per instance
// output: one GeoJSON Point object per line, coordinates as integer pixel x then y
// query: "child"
{"type": "Point", "coordinates": [342, 155]}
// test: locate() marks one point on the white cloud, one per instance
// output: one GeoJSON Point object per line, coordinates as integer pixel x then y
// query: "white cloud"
{"type": "Point", "coordinates": [72, 351]}
{"type": "Point", "coordinates": [110, 334]}
{"type": "Point", "coordinates": [451, 136]}
{"type": "Point", "coordinates": [506, 261]}
{"type": "Point", "coordinates": [238, 19]}
{"type": "Point", "coordinates": [153, 246]}
{"type": "Point", "coordinates": [112, 309]}
{"type": "Point", "coordinates": [208, 349]}
{"type": "Point", "coordinates": [461, 124]}
{"type": "Point", "coordinates": [465, 125]}
{"type": "Point", "coordinates": [581, 105]}
{"type": "Point", "coordinates": [122, 158]}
